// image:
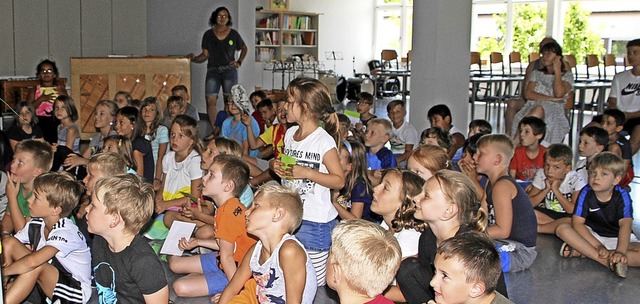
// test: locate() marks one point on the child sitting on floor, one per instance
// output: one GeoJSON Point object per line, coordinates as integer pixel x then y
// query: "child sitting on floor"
{"type": "Point", "coordinates": [512, 221]}
{"type": "Point", "coordinates": [601, 225]}
{"type": "Point", "coordinates": [529, 156]}
{"type": "Point", "coordinates": [227, 177]}
{"type": "Point", "coordinates": [593, 140]}
{"type": "Point", "coordinates": [555, 189]}
{"type": "Point", "coordinates": [32, 158]}
{"type": "Point", "coordinates": [471, 263]}
{"type": "Point", "coordinates": [363, 260]}
{"type": "Point", "coordinates": [57, 258]}
{"type": "Point", "coordinates": [613, 122]}
{"type": "Point", "coordinates": [379, 158]}
{"type": "Point", "coordinates": [125, 268]}
{"type": "Point", "coordinates": [276, 262]}
{"type": "Point", "coordinates": [440, 116]}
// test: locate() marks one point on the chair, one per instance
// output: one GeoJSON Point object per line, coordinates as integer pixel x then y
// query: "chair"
{"type": "Point", "coordinates": [571, 62]}
{"type": "Point", "coordinates": [496, 58]}
{"type": "Point", "coordinates": [592, 61]}
{"type": "Point", "coordinates": [514, 57]}
{"type": "Point", "coordinates": [533, 56]}
{"type": "Point", "coordinates": [475, 61]}
{"type": "Point", "coordinates": [387, 57]}
{"type": "Point", "coordinates": [609, 60]}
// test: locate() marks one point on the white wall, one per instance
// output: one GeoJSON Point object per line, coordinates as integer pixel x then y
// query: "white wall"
{"type": "Point", "coordinates": [176, 28]}
{"type": "Point", "coordinates": [33, 30]}
{"type": "Point", "coordinates": [345, 26]}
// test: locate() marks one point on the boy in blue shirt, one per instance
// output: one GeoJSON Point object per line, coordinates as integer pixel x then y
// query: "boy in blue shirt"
{"type": "Point", "coordinates": [601, 225]}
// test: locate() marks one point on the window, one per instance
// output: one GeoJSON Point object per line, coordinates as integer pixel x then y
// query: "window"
{"type": "Point", "coordinates": [394, 26]}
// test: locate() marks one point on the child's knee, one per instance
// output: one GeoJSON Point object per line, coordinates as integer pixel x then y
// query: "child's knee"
{"type": "Point", "coordinates": [562, 228]}
{"type": "Point", "coordinates": [181, 288]}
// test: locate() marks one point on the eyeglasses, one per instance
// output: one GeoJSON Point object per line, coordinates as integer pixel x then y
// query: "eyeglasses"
{"type": "Point", "coordinates": [364, 102]}
{"type": "Point", "coordinates": [47, 71]}
{"type": "Point", "coordinates": [223, 16]}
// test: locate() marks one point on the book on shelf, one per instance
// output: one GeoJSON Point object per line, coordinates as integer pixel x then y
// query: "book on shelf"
{"type": "Point", "coordinates": [269, 22]}
{"type": "Point", "coordinates": [309, 38]}
{"type": "Point", "coordinates": [297, 22]}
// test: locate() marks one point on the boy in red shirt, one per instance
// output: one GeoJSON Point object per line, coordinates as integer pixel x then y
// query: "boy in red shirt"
{"type": "Point", "coordinates": [529, 156]}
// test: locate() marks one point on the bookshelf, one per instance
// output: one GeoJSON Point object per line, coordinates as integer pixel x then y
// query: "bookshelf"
{"type": "Point", "coordinates": [281, 34]}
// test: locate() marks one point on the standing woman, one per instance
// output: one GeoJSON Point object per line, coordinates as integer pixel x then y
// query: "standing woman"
{"type": "Point", "coordinates": [219, 46]}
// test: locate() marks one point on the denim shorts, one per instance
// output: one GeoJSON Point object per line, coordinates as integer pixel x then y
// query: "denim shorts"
{"type": "Point", "coordinates": [316, 236]}
{"type": "Point", "coordinates": [225, 76]}
{"type": "Point", "coordinates": [216, 279]}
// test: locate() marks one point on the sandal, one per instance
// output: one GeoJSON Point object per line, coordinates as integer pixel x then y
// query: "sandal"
{"type": "Point", "coordinates": [620, 269]}
{"type": "Point", "coordinates": [567, 251]}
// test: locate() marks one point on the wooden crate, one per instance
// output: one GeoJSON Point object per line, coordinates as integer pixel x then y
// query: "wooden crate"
{"type": "Point", "coordinates": [95, 79]}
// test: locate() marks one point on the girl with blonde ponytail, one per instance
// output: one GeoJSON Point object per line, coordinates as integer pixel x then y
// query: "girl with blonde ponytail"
{"type": "Point", "coordinates": [449, 204]}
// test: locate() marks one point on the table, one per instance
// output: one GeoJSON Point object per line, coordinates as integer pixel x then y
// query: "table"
{"type": "Point", "coordinates": [501, 85]}
{"type": "Point", "coordinates": [404, 74]}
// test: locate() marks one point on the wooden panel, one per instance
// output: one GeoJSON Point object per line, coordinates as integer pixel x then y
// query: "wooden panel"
{"type": "Point", "coordinates": [32, 42]}
{"type": "Point", "coordinates": [92, 89]}
{"type": "Point", "coordinates": [96, 28]}
{"type": "Point", "coordinates": [13, 90]}
{"type": "Point", "coordinates": [93, 79]}
{"type": "Point", "coordinates": [7, 66]}
{"type": "Point", "coordinates": [129, 27]}
{"type": "Point", "coordinates": [64, 33]}
{"type": "Point", "coordinates": [132, 83]}
{"type": "Point", "coordinates": [162, 84]}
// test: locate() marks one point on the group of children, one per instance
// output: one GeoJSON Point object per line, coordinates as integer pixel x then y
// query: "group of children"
{"type": "Point", "coordinates": [446, 229]}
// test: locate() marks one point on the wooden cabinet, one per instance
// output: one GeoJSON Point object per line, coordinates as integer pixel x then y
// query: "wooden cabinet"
{"type": "Point", "coordinates": [280, 35]}
{"type": "Point", "coordinates": [95, 79]}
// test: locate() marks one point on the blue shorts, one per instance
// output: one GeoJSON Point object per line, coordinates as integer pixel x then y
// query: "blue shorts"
{"type": "Point", "coordinates": [316, 236]}
{"type": "Point", "coordinates": [225, 76]}
{"type": "Point", "coordinates": [216, 279]}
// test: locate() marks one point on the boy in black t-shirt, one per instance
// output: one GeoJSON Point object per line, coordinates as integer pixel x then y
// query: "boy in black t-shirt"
{"type": "Point", "coordinates": [125, 267]}
{"type": "Point", "coordinates": [601, 223]}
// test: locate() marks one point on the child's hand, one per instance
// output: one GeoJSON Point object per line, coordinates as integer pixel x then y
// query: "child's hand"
{"type": "Point", "coordinates": [161, 206]}
{"type": "Point", "coordinates": [468, 168]}
{"type": "Point", "coordinates": [216, 298]}
{"type": "Point", "coordinates": [530, 173]}
{"type": "Point", "coordinates": [555, 185]}
{"type": "Point", "coordinates": [157, 184]}
{"type": "Point", "coordinates": [280, 168]}
{"type": "Point", "coordinates": [378, 173]}
{"type": "Point", "coordinates": [298, 171]}
{"type": "Point", "coordinates": [190, 212]}
{"type": "Point", "coordinates": [183, 244]}
{"type": "Point", "coordinates": [12, 185]}
{"type": "Point", "coordinates": [246, 119]}
{"type": "Point", "coordinates": [603, 253]}
{"type": "Point", "coordinates": [617, 257]}
{"type": "Point", "coordinates": [72, 161]}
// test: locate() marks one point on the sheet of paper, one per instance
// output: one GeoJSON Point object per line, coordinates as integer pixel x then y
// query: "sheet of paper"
{"type": "Point", "coordinates": [179, 229]}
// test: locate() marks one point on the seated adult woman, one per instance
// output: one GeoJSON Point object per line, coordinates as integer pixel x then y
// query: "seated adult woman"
{"type": "Point", "coordinates": [548, 90]}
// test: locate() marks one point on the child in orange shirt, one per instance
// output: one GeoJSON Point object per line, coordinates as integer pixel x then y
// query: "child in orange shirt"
{"type": "Point", "coordinates": [529, 156]}
{"type": "Point", "coordinates": [225, 181]}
